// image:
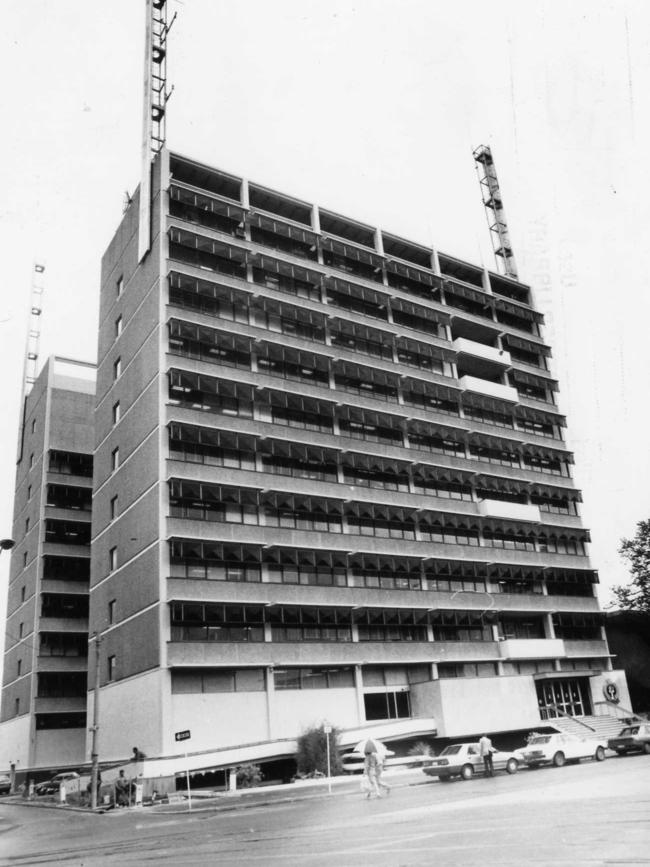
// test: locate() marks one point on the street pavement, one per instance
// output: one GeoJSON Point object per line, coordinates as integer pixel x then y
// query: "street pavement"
{"type": "Point", "coordinates": [588, 814]}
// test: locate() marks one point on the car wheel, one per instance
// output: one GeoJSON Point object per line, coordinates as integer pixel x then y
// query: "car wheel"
{"type": "Point", "coordinates": [599, 755]}
{"type": "Point", "coordinates": [646, 749]}
{"type": "Point", "coordinates": [559, 759]}
{"type": "Point", "coordinates": [467, 772]}
{"type": "Point", "coordinates": [512, 765]}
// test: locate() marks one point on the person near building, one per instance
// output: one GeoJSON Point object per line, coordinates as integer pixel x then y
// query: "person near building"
{"type": "Point", "coordinates": [486, 749]}
{"type": "Point", "coordinates": [122, 790]}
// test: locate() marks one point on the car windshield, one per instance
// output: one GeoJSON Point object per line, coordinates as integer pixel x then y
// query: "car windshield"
{"type": "Point", "coordinates": [630, 730]}
{"type": "Point", "coordinates": [543, 739]}
{"type": "Point", "coordinates": [451, 751]}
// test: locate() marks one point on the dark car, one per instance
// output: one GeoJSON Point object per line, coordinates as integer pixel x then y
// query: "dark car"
{"type": "Point", "coordinates": [5, 784]}
{"type": "Point", "coordinates": [631, 738]}
{"type": "Point", "coordinates": [51, 787]}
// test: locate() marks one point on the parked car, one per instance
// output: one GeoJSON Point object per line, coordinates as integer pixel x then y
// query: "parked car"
{"type": "Point", "coordinates": [558, 749]}
{"type": "Point", "coordinates": [631, 738]}
{"type": "Point", "coordinates": [5, 784]}
{"type": "Point", "coordinates": [51, 787]}
{"type": "Point", "coordinates": [464, 760]}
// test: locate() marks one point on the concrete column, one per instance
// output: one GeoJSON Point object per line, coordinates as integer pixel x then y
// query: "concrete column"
{"type": "Point", "coordinates": [435, 262]}
{"type": "Point", "coordinates": [270, 701]}
{"type": "Point", "coordinates": [358, 686]}
{"type": "Point", "coordinates": [431, 638]}
{"type": "Point", "coordinates": [495, 631]}
{"type": "Point", "coordinates": [486, 281]}
{"type": "Point", "coordinates": [315, 224]}
{"type": "Point", "coordinates": [245, 198]}
{"type": "Point", "coordinates": [265, 575]}
{"type": "Point", "coordinates": [355, 633]}
{"type": "Point", "coordinates": [434, 671]}
{"type": "Point", "coordinates": [549, 629]}
{"type": "Point", "coordinates": [499, 668]}
{"type": "Point", "coordinates": [232, 780]}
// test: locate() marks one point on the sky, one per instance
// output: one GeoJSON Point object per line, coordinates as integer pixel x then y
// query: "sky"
{"type": "Point", "coordinates": [371, 109]}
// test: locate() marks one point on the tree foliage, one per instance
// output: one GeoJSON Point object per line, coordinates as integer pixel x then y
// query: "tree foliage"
{"type": "Point", "coordinates": [312, 752]}
{"type": "Point", "coordinates": [635, 596]}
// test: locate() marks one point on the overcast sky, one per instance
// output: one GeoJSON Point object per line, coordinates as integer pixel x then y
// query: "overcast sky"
{"type": "Point", "coordinates": [372, 109]}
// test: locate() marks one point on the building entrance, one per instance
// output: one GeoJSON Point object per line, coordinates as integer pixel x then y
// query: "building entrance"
{"type": "Point", "coordinates": [563, 697]}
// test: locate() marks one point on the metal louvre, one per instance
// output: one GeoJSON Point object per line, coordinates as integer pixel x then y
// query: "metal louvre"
{"type": "Point", "coordinates": [527, 345]}
{"type": "Point", "coordinates": [520, 310]}
{"type": "Point", "coordinates": [279, 227]}
{"type": "Point", "coordinates": [537, 381]}
{"type": "Point", "coordinates": [349, 251]}
{"type": "Point", "coordinates": [412, 272]}
{"type": "Point", "coordinates": [286, 269]}
{"type": "Point", "coordinates": [206, 203]}
{"type": "Point", "coordinates": [468, 293]}
{"type": "Point", "coordinates": [529, 414]}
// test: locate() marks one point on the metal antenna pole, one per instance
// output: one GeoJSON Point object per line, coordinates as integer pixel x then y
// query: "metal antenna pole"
{"type": "Point", "coordinates": [94, 751]}
{"type": "Point", "coordinates": [154, 109]}
{"type": "Point", "coordinates": [30, 366]}
{"type": "Point", "coordinates": [496, 216]}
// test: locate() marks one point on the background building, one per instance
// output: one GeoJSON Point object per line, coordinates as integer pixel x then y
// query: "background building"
{"type": "Point", "coordinates": [331, 482]}
{"type": "Point", "coordinates": [43, 717]}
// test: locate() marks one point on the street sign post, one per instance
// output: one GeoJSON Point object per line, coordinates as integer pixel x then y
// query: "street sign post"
{"type": "Point", "coordinates": [185, 736]}
{"type": "Point", "coordinates": [327, 728]}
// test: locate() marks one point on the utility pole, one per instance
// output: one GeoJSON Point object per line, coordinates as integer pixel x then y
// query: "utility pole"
{"type": "Point", "coordinates": [94, 751]}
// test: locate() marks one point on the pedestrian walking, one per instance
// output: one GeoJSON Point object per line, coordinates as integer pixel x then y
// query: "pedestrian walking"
{"type": "Point", "coordinates": [486, 749]}
{"type": "Point", "coordinates": [373, 764]}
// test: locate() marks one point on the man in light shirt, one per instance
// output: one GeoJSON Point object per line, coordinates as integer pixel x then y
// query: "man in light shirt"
{"type": "Point", "coordinates": [486, 749]}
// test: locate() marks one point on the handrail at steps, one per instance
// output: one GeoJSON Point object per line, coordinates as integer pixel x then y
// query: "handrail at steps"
{"type": "Point", "coordinates": [628, 713]}
{"type": "Point", "coordinates": [568, 716]}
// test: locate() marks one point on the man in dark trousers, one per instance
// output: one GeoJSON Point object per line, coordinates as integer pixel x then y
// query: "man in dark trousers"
{"type": "Point", "coordinates": [486, 749]}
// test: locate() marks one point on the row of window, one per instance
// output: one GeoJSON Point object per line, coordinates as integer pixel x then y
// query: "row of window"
{"type": "Point", "coordinates": [222, 561]}
{"type": "Point", "coordinates": [226, 302]}
{"type": "Point", "coordinates": [227, 397]}
{"type": "Point", "coordinates": [233, 350]}
{"type": "Point", "coordinates": [213, 447]}
{"type": "Point", "coordinates": [223, 258]}
{"type": "Point", "coordinates": [203, 501]}
{"type": "Point", "coordinates": [218, 622]}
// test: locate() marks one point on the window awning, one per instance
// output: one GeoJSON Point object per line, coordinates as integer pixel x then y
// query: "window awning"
{"type": "Point", "coordinates": [467, 292]}
{"type": "Point", "coordinates": [556, 492]}
{"type": "Point", "coordinates": [536, 381]}
{"type": "Point", "coordinates": [279, 227]}
{"type": "Point", "coordinates": [530, 414]}
{"type": "Point", "coordinates": [527, 345]}
{"type": "Point", "coordinates": [520, 310]}
{"type": "Point", "coordinates": [352, 252]}
{"type": "Point", "coordinates": [206, 203]}
{"type": "Point", "coordinates": [411, 272]}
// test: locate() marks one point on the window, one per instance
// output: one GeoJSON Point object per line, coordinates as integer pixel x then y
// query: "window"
{"type": "Point", "coordinates": [33, 425]}
{"type": "Point", "coordinates": [112, 559]}
{"type": "Point", "coordinates": [21, 629]}
{"type": "Point", "coordinates": [113, 507]}
{"type": "Point", "coordinates": [314, 678]}
{"type": "Point", "coordinates": [26, 525]}
{"type": "Point", "coordinates": [119, 286]}
{"type": "Point", "coordinates": [118, 326]}
{"type": "Point", "coordinates": [29, 492]}
{"type": "Point", "coordinates": [387, 705]}
{"type": "Point", "coordinates": [25, 560]}
{"type": "Point", "coordinates": [112, 667]}
{"type": "Point", "coordinates": [116, 412]}
{"type": "Point", "coordinates": [17, 706]}
{"type": "Point", "coordinates": [115, 459]}
{"type": "Point", "coordinates": [117, 368]}
{"type": "Point", "coordinates": [19, 666]}
{"type": "Point", "coordinates": [22, 594]}
{"type": "Point", "coordinates": [111, 611]}
{"type": "Point", "coordinates": [31, 460]}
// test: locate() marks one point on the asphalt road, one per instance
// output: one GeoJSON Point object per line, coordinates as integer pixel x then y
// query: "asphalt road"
{"type": "Point", "coordinates": [587, 814]}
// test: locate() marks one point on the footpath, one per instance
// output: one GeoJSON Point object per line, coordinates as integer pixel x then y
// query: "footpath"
{"type": "Point", "coordinates": [262, 796]}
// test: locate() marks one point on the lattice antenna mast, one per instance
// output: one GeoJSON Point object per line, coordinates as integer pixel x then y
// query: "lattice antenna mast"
{"type": "Point", "coordinates": [154, 109]}
{"type": "Point", "coordinates": [496, 216]}
{"type": "Point", "coordinates": [30, 366]}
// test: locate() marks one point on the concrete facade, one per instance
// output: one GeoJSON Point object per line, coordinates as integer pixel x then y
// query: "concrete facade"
{"type": "Point", "coordinates": [331, 482]}
{"type": "Point", "coordinates": [43, 718]}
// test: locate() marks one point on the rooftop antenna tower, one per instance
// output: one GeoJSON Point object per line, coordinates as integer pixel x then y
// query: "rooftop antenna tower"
{"type": "Point", "coordinates": [496, 217]}
{"type": "Point", "coordinates": [154, 109]}
{"type": "Point", "coordinates": [30, 366]}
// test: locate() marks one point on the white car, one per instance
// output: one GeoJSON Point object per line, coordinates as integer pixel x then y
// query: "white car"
{"type": "Point", "coordinates": [465, 760]}
{"type": "Point", "coordinates": [557, 749]}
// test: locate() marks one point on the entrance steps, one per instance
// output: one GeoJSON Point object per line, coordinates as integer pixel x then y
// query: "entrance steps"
{"type": "Point", "coordinates": [601, 726]}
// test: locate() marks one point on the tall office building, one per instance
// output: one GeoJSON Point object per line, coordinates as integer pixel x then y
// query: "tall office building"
{"type": "Point", "coordinates": [43, 716]}
{"type": "Point", "coordinates": [331, 482]}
